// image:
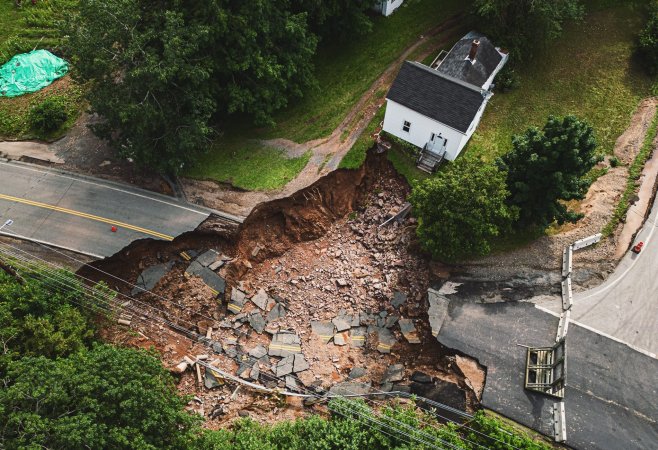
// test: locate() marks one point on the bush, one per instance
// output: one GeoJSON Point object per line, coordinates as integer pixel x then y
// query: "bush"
{"type": "Point", "coordinates": [647, 45]}
{"type": "Point", "coordinates": [49, 115]}
{"type": "Point", "coordinates": [507, 80]}
{"type": "Point", "coordinates": [614, 161]}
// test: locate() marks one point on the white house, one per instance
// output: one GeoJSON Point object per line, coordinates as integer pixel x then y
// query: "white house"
{"type": "Point", "coordinates": [438, 108]}
{"type": "Point", "coordinates": [386, 7]}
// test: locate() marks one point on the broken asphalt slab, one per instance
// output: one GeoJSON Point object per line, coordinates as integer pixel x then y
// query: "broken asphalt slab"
{"type": "Point", "coordinates": [237, 301]}
{"type": "Point", "coordinates": [437, 311]}
{"type": "Point", "coordinates": [358, 336]}
{"type": "Point", "coordinates": [260, 299]}
{"type": "Point", "coordinates": [349, 388]}
{"type": "Point", "coordinates": [150, 277]}
{"type": "Point", "coordinates": [257, 322]}
{"type": "Point", "coordinates": [284, 344]}
{"type": "Point", "coordinates": [393, 373]}
{"type": "Point", "coordinates": [409, 331]}
{"type": "Point", "coordinates": [216, 283]}
{"type": "Point", "coordinates": [385, 339]}
{"type": "Point", "coordinates": [323, 329]}
{"type": "Point", "coordinates": [207, 258]}
{"type": "Point", "coordinates": [277, 312]}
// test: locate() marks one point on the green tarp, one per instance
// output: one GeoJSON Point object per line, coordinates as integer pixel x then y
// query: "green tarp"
{"type": "Point", "coordinates": [29, 72]}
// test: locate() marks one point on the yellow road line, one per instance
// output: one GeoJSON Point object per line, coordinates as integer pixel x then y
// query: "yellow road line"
{"type": "Point", "coordinates": [86, 216]}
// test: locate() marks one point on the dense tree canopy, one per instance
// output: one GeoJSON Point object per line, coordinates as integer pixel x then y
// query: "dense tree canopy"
{"type": "Point", "coordinates": [461, 209]}
{"type": "Point", "coordinates": [160, 71]}
{"type": "Point", "coordinates": [648, 40]}
{"type": "Point", "coordinates": [524, 25]}
{"type": "Point", "coordinates": [34, 321]}
{"type": "Point", "coordinates": [331, 19]}
{"type": "Point", "coordinates": [106, 397]}
{"type": "Point", "coordinates": [547, 166]}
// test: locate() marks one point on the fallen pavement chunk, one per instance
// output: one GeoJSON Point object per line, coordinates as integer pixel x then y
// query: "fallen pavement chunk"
{"type": "Point", "coordinates": [358, 337]}
{"type": "Point", "coordinates": [216, 265]}
{"type": "Point", "coordinates": [216, 283]}
{"type": "Point", "coordinates": [260, 299]}
{"type": "Point", "coordinates": [409, 331]}
{"type": "Point", "coordinates": [258, 352]}
{"type": "Point", "coordinates": [391, 320]}
{"type": "Point", "coordinates": [284, 344]}
{"type": "Point", "coordinates": [393, 373]}
{"type": "Point", "coordinates": [285, 366]}
{"type": "Point", "coordinates": [217, 347]}
{"type": "Point", "coordinates": [398, 299]}
{"type": "Point", "coordinates": [341, 338]}
{"type": "Point", "coordinates": [341, 324]}
{"type": "Point", "coordinates": [437, 311]}
{"type": "Point", "coordinates": [257, 322]}
{"type": "Point", "coordinates": [211, 379]}
{"type": "Point", "coordinates": [324, 329]}
{"type": "Point", "coordinates": [300, 363]}
{"type": "Point", "coordinates": [150, 277]}
{"type": "Point", "coordinates": [207, 258]}
{"type": "Point", "coordinates": [421, 377]}
{"type": "Point", "coordinates": [349, 388]}
{"type": "Point", "coordinates": [291, 383]}
{"type": "Point", "coordinates": [385, 340]}
{"type": "Point", "coordinates": [194, 268]}
{"type": "Point", "coordinates": [237, 301]}
{"type": "Point", "coordinates": [187, 255]}
{"type": "Point", "coordinates": [357, 372]}
{"type": "Point", "coordinates": [277, 312]}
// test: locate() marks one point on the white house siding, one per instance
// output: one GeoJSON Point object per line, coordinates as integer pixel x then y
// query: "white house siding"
{"type": "Point", "coordinates": [387, 7]}
{"type": "Point", "coordinates": [502, 62]}
{"type": "Point", "coordinates": [421, 129]}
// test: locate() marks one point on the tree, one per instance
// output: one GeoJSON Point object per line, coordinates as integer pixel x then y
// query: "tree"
{"type": "Point", "coordinates": [522, 26]}
{"type": "Point", "coordinates": [336, 19]}
{"type": "Point", "coordinates": [160, 72]}
{"type": "Point", "coordinates": [35, 320]}
{"type": "Point", "coordinates": [461, 209]}
{"type": "Point", "coordinates": [547, 166]}
{"type": "Point", "coordinates": [647, 46]}
{"type": "Point", "coordinates": [106, 397]}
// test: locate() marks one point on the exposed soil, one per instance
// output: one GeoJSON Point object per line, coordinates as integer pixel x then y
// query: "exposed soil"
{"type": "Point", "coordinates": [319, 251]}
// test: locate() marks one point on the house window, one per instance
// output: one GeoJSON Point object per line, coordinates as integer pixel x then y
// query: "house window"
{"type": "Point", "coordinates": [406, 126]}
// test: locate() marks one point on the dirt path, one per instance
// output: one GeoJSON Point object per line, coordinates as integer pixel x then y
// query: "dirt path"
{"type": "Point", "coordinates": [326, 152]}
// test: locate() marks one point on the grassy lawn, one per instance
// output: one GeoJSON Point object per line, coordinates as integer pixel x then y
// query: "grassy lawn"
{"type": "Point", "coordinates": [344, 72]}
{"type": "Point", "coordinates": [587, 72]}
{"type": "Point", "coordinates": [22, 30]}
{"type": "Point", "coordinates": [249, 166]}
{"type": "Point", "coordinates": [357, 154]}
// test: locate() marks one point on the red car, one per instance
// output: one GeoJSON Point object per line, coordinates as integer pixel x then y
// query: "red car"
{"type": "Point", "coordinates": [638, 247]}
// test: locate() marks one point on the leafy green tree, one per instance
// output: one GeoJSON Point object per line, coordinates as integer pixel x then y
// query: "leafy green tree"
{"type": "Point", "coordinates": [647, 47]}
{"type": "Point", "coordinates": [331, 19]}
{"type": "Point", "coordinates": [106, 397]}
{"type": "Point", "coordinates": [161, 71]}
{"type": "Point", "coordinates": [461, 209]}
{"type": "Point", "coordinates": [548, 166]}
{"type": "Point", "coordinates": [525, 25]}
{"type": "Point", "coordinates": [35, 320]}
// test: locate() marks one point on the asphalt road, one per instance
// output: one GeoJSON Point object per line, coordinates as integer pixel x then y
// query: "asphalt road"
{"type": "Point", "coordinates": [611, 397]}
{"type": "Point", "coordinates": [77, 213]}
{"type": "Point", "coordinates": [625, 306]}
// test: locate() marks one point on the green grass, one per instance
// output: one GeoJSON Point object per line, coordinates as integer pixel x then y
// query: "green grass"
{"type": "Point", "coordinates": [405, 165]}
{"type": "Point", "coordinates": [14, 112]}
{"type": "Point", "coordinates": [356, 156]}
{"type": "Point", "coordinates": [588, 72]}
{"type": "Point", "coordinates": [249, 166]}
{"type": "Point", "coordinates": [22, 30]}
{"type": "Point", "coordinates": [344, 72]}
{"type": "Point", "coordinates": [634, 172]}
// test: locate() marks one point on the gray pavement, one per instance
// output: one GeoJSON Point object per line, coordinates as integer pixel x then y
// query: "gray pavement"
{"type": "Point", "coordinates": [625, 306]}
{"type": "Point", "coordinates": [611, 396]}
{"type": "Point", "coordinates": [76, 213]}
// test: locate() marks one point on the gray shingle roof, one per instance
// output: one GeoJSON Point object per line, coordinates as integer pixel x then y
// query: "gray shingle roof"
{"type": "Point", "coordinates": [486, 60]}
{"type": "Point", "coordinates": [437, 96]}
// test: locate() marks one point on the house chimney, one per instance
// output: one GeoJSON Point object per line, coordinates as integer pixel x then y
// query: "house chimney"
{"type": "Point", "coordinates": [474, 49]}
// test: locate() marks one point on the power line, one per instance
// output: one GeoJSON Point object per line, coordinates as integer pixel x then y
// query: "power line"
{"type": "Point", "coordinates": [202, 339]}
